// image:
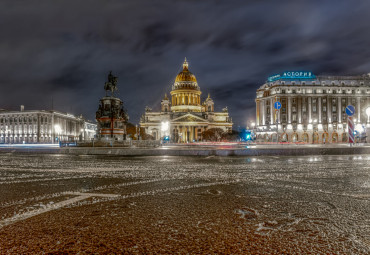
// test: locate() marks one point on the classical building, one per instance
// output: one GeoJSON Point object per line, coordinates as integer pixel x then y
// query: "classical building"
{"type": "Point", "coordinates": [312, 107]}
{"type": "Point", "coordinates": [111, 116]}
{"type": "Point", "coordinates": [184, 117]}
{"type": "Point", "coordinates": [39, 126]}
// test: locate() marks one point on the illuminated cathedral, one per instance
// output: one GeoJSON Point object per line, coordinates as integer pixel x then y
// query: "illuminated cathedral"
{"type": "Point", "coordinates": [184, 116]}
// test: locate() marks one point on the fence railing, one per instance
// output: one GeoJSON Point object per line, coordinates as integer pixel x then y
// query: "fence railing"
{"type": "Point", "coordinates": [127, 143]}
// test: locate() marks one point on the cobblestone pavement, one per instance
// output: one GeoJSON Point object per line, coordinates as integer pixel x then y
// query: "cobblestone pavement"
{"type": "Point", "coordinates": [184, 205]}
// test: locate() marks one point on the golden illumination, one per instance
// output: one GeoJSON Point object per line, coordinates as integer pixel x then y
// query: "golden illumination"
{"type": "Point", "coordinates": [185, 75]}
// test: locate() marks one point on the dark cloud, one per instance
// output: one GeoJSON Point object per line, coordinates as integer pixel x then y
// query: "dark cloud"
{"type": "Point", "coordinates": [64, 49]}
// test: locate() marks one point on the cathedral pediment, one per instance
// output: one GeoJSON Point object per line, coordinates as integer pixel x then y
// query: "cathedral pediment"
{"type": "Point", "coordinates": [188, 118]}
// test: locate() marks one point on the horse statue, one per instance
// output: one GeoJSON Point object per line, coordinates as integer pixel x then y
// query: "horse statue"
{"type": "Point", "coordinates": [111, 84]}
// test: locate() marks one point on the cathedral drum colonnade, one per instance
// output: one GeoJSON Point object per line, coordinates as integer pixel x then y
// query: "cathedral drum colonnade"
{"type": "Point", "coordinates": [312, 107]}
{"type": "Point", "coordinates": [184, 117]}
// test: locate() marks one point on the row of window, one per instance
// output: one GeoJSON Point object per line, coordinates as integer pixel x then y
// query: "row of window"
{"type": "Point", "coordinates": [12, 120]}
{"type": "Point", "coordinates": [294, 91]}
{"type": "Point", "coordinates": [323, 83]}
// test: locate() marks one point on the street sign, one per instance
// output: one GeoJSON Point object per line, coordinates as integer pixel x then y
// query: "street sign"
{"type": "Point", "coordinates": [277, 105]}
{"type": "Point", "coordinates": [350, 110]}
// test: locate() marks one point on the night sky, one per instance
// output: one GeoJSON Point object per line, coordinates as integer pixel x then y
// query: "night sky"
{"type": "Point", "coordinates": [62, 51]}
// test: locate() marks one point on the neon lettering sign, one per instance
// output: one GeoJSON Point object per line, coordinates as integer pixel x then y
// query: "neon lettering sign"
{"type": "Point", "coordinates": [292, 75]}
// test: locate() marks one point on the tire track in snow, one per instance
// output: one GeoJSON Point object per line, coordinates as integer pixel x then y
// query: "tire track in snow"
{"type": "Point", "coordinates": [75, 202]}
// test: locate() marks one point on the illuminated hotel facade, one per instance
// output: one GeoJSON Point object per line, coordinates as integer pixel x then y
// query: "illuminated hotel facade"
{"type": "Point", "coordinates": [312, 107]}
{"type": "Point", "coordinates": [184, 117]}
{"type": "Point", "coordinates": [39, 126]}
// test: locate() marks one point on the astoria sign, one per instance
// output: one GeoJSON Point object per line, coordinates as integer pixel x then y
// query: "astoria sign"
{"type": "Point", "coordinates": [292, 75]}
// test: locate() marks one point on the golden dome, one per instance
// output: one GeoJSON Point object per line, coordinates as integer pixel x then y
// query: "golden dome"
{"type": "Point", "coordinates": [185, 75]}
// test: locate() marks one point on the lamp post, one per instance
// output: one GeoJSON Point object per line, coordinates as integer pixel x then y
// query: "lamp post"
{"type": "Point", "coordinates": [277, 125]}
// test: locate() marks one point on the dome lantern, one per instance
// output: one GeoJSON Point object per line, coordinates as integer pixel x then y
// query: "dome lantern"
{"type": "Point", "coordinates": [185, 75]}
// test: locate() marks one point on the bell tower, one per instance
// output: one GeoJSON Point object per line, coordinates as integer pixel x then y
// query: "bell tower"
{"type": "Point", "coordinates": [209, 105]}
{"type": "Point", "coordinates": [165, 104]}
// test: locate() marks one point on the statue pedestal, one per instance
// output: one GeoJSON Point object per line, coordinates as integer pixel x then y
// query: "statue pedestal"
{"type": "Point", "coordinates": [111, 119]}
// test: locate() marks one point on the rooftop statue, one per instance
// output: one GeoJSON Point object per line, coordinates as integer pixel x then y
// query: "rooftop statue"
{"type": "Point", "coordinates": [111, 84]}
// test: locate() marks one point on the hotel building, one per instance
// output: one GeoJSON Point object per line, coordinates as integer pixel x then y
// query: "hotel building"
{"type": "Point", "coordinates": [312, 107]}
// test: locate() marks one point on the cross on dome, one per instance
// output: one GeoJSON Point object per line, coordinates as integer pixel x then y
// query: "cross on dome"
{"type": "Point", "coordinates": [185, 65]}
